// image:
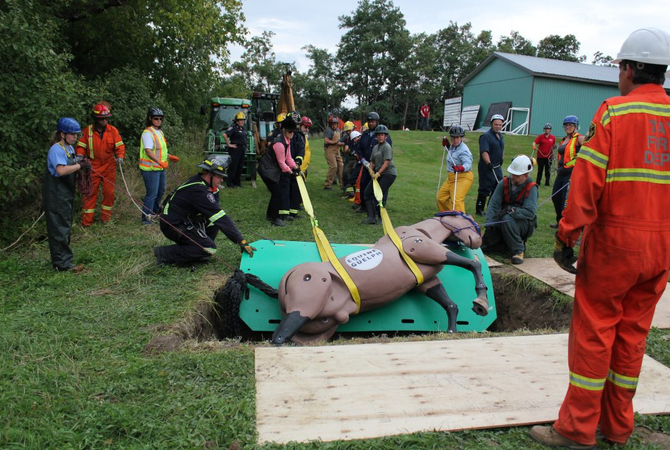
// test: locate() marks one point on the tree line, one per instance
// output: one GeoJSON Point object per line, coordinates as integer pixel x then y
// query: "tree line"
{"type": "Point", "coordinates": [61, 57]}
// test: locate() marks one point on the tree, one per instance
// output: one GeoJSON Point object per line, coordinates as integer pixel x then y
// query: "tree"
{"type": "Point", "coordinates": [600, 59]}
{"type": "Point", "coordinates": [557, 47]}
{"type": "Point", "coordinates": [259, 66]}
{"type": "Point", "coordinates": [371, 50]}
{"type": "Point", "coordinates": [515, 43]}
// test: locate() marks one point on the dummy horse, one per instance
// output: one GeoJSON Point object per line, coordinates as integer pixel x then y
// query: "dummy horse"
{"type": "Point", "coordinates": [314, 299]}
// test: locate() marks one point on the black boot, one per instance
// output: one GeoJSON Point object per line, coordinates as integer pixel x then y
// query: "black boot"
{"type": "Point", "coordinates": [372, 218]}
{"type": "Point", "coordinates": [481, 205]}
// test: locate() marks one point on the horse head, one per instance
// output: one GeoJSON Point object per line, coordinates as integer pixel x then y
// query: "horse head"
{"type": "Point", "coordinates": [453, 226]}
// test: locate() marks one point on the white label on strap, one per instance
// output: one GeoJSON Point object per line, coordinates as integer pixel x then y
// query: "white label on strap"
{"type": "Point", "coordinates": [365, 259]}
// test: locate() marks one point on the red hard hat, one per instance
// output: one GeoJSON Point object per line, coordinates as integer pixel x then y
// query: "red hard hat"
{"type": "Point", "coordinates": [306, 121]}
{"type": "Point", "coordinates": [101, 111]}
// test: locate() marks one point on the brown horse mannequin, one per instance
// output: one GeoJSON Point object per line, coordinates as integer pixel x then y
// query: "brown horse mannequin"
{"type": "Point", "coordinates": [315, 300]}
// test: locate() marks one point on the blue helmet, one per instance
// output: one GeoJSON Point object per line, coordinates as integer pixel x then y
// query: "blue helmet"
{"type": "Point", "coordinates": [571, 119]}
{"type": "Point", "coordinates": [68, 125]}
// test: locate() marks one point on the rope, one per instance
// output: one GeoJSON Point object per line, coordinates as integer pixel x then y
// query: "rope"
{"type": "Point", "coordinates": [24, 233]}
{"type": "Point", "coordinates": [84, 184]}
{"type": "Point", "coordinates": [439, 180]}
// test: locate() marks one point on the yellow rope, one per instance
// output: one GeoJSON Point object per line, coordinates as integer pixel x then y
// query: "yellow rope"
{"type": "Point", "coordinates": [325, 250]}
{"type": "Point", "coordinates": [388, 229]}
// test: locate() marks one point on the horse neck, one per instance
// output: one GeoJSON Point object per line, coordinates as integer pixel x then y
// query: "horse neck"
{"type": "Point", "coordinates": [434, 229]}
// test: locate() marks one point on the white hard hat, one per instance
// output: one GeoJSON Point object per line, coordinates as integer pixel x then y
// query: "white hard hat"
{"type": "Point", "coordinates": [520, 165]}
{"type": "Point", "coordinates": [646, 45]}
{"type": "Point", "coordinates": [497, 117]}
{"type": "Point", "coordinates": [354, 134]}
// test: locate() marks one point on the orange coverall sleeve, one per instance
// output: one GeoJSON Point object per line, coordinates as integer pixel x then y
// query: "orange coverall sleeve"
{"type": "Point", "coordinates": [82, 144]}
{"type": "Point", "coordinates": [119, 146]}
{"type": "Point", "coordinates": [587, 181]}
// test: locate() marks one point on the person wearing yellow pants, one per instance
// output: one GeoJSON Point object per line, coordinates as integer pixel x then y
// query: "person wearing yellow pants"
{"type": "Point", "coordinates": [451, 195]}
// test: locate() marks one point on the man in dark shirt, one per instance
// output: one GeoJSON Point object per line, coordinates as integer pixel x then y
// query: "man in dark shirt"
{"type": "Point", "coordinates": [491, 154]}
{"type": "Point", "coordinates": [191, 217]}
{"type": "Point", "coordinates": [236, 140]}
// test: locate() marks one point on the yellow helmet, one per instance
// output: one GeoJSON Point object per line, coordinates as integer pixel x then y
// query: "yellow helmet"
{"type": "Point", "coordinates": [349, 125]}
{"type": "Point", "coordinates": [281, 117]}
{"type": "Point", "coordinates": [365, 126]}
{"type": "Point", "coordinates": [240, 116]}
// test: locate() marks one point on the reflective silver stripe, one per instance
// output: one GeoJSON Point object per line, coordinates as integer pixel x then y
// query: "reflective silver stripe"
{"type": "Point", "coordinates": [635, 108]}
{"type": "Point", "coordinates": [217, 216]}
{"type": "Point", "coordinates": [591, 384]}
{"type": "Point", "coordinates": [210, 250]}
{"type": "Point", "coordinates": [633, 174]}
{"type": "Point", "coordinates": [594, 157]}
{"type": "Point", "coordinates": [622, 380]}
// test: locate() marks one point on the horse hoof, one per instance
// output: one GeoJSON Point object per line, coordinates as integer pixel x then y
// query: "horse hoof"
{"type": "Point", "coordinates": [480, 307]}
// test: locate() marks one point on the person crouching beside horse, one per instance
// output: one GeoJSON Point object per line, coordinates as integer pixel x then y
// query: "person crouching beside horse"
{"type": "Point", "coordinates": [512, 214]}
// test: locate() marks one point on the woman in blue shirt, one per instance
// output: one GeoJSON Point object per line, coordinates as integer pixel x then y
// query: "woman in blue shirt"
{"type": "Point", "coordinates": [58, 191]}
{"type": "Point", "coordinates": [459, 167]}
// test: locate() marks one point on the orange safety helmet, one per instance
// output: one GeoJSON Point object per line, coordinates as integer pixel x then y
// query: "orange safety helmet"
{"type": "Point", "coordinates": [101, 111]}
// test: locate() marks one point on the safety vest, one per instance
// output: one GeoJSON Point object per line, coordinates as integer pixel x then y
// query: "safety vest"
{"type": "Point", "coordinates": [570, 152]}
{"type": "Point", "coordinates": [523, 194]}
{"type": "Point", "coordinates": [160, 147]}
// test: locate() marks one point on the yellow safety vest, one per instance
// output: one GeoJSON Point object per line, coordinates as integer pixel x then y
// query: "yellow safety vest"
{"type": "Point", "coordinates": [160, 147]}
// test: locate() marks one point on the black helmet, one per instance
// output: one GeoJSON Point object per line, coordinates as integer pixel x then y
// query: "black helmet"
{"type": "Point", "coordinates": [373, 116]}
{"type": "Point", "coordinates": [155, 112]}
{"type": "Point", "coordinates": [217, 164]}
{"type": "Point", "coordinates": [456, 131]}
{"type": "Point", "coordinates": [547, 125]}
{"type": "Point", "coordinates": [381, 129]}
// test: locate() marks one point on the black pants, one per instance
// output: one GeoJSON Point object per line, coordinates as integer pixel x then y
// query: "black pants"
{"type": "Point", "coordinates": [365, 181]}
{"type": "Point", "coordinates": [544, 164]}
{"type": "Point", "coordinates": [58, 198]}
{"type": "Point", "coordinates": [296, 198]}
{"type": "Point", "coordinates": [193, 242]}
{"type": "Point", "coordinates": [562, 196]}
{"type": "Point", "coordinates": [235, 168]}
{"type": "Point", "coordinates": [385, 182]}
{"type": "Point", "coordinates": [280, 196]}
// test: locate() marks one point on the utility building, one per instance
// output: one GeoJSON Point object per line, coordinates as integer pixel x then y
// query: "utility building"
{"type": "Point", "coordinates": [549, 88]}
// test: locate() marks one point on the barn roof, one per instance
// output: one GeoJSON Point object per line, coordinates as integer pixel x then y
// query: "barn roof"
{"type": "Point", "coordinates": [554, 68]}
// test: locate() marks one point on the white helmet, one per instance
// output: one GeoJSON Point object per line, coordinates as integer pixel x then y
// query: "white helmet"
{"type": "Point", "coordinates": [646, 45]}
{"type": "Point", "coordinates": [521, 165]}
{"type": "Point", "coordinates": [354, 134]}
{"type": "Point", "coordinates": [497, 117]}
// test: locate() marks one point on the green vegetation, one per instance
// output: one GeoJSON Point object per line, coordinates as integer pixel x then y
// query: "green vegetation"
{"type": "Point", "coordinates": [74, 368]}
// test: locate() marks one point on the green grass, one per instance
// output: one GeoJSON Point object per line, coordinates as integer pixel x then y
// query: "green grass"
{"type": "Point", "coordinates": [74, 372]}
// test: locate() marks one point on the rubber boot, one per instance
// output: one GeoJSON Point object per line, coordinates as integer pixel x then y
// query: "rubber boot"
{"type": "Point", "coordinates": [372, 214]}
{"type": "Point", "coordinates": [481, 205]}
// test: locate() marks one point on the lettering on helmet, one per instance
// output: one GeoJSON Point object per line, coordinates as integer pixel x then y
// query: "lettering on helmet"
{"type": "Point", "coordinates": [365, 259]}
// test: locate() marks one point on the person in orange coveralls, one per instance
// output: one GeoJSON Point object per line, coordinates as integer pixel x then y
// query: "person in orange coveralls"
{"type": "Point", "coordinates": [620, 198]}
{"type": "Point", "coordinates": [102, 143]}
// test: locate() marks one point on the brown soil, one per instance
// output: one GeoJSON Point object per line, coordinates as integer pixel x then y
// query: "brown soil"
{"type": "Point", "coordinates": [197, 325]}
{"type": "Point", "coordinates": [523, 303]}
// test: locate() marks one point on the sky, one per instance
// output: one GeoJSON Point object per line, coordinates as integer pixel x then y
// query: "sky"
{"type": "Point", "coordinates": [598, 25]}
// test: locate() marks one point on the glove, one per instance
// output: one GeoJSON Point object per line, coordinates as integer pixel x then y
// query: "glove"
{"type": "Point", "coordinates": [296, 171]}
{"type": "Point", "coordinates": [365, 162]}
{"type": "Point", "coordinates": [376, 175]}
{"type": "Point", "coordinates": [489, 166]}
{"type": "Point", "coordinates": [445, 142]}
{"type": "Point", "coordinates": [370, 171]}
{"type": "Point", "coordinates": [84, 164]}
{"type": "Point", "coordinates": [245, 247]}
{"type": "Point", "coordinates": [78, 158]}
{"type": "Point", "coordinates": [163, 164]}
{"type": "Point", "coordinates": [119, 161]}
{"type": "Point", "coordinates": [459, 169]}
{"type": "Point", "coordinates": [173, 158]}
{"type": "Point", "coordinates": [564, 256]}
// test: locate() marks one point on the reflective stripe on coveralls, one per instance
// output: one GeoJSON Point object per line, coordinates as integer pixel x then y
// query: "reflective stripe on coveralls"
{"type": "Point", "coordinates": [620, 198]}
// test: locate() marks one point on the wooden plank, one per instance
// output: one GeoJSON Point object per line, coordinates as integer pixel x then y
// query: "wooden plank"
{"type": "Point", "coordinates": [469, 117]}
{"type": "Point", "coordinates": [372, 390]}
{"type": "Point", "coordinates": [452, 112]}
{"type": "Point", "coordinates": [546, 270]}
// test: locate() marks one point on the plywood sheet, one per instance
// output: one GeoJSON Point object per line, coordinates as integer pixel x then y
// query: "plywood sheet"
{"type": "Point", "coordinates": [546, 270]}
{"type": "Point", "coordinates": [373, 390]}
{"type": "Point", "coordinates": [452, 112]}
{"type": "Point", "coordinates": [469, 117]}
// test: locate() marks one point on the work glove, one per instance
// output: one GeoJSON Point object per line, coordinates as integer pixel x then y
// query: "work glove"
{"type": "Point", "coordinates": [445, 142]}
{"type": "Point", "coordinates": [173, 158]}
{"type": "Point", "coordinates": [376, 175]}
{"type": "Point", "coordinates": [78, 158]}
{"type": "Point", "coordinates": [296, 171]}
{"type": "Point", "coordinates": [84, 164]}
{"type": "Point", "coordinates": [163, 164]}
{"type": "Point", "coordinates": [245, 247]}
{"type": "Point", "coordinates": [459, 169]}
{"type": "Point", "coordinates": [489, 166]}
{"type": "Point", "coordinates": [119, 161]}
{"type": "Point", "coordinates": [564, 256]}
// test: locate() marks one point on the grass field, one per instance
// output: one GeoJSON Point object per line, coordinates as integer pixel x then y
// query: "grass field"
{"type": "Point", "coordinates": [74, 369]}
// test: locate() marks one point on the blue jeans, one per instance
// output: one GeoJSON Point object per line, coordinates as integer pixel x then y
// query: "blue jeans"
{"type": "Point", "coordinates": [154, 182]}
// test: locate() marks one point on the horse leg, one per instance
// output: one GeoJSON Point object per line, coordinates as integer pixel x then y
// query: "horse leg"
{"type": "Point", "coordinates": [439, 295]}
{"type": "Point", "coordinates": [480, 305]}
{"type": "Point", "coordinates": [288, 327]}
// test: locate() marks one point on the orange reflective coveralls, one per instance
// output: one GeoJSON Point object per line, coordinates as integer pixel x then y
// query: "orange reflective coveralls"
{"type": "Point", "coordinates": [101, 151]}
{"type": "Point", "coordinates": [620, 196]}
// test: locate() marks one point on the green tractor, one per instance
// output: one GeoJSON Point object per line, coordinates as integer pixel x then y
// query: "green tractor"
{"type": "Point", "coordinates": [260, 112]}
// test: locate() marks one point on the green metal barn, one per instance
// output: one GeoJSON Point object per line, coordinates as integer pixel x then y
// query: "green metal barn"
{"type": "Point", "coordinates": [550, 88]}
